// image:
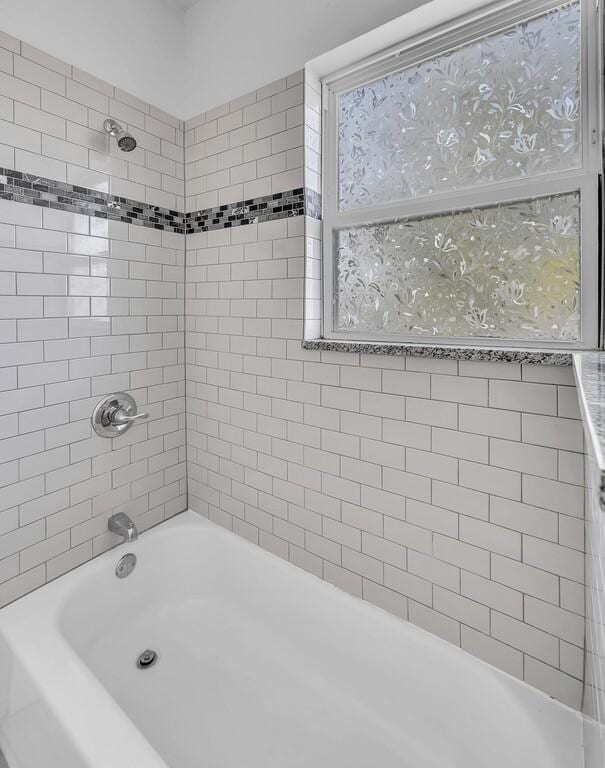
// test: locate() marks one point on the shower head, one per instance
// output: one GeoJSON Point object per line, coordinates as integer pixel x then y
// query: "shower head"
{"type": "Point", "coordinates": [126, 141]}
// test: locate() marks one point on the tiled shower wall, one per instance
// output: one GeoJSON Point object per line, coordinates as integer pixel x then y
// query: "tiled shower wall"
{"type": "Point", "coordinates": [449, 493]}
{"type": "Point", "coordinates": [88, 307]}
{"type": "Point", "coordinates": [594, 691]}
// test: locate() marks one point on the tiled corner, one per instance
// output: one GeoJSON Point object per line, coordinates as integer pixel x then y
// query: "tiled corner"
{"type": "Point", "coordinates": [92, 302]}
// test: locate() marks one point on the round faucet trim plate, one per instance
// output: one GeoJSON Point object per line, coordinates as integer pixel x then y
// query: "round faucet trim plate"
{"type": "Point", "coordinates": [115, 414]}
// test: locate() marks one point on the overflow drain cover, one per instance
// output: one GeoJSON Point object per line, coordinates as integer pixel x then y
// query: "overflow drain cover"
{"type": "Point", "coordinates": [147, 659]}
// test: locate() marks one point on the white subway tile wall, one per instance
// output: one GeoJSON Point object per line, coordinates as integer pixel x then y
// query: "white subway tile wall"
{"type": "Point", "coordinates": [87, 307]}
{"type": "Point", "coordinates": [248, 148]}
{"type": "Point", "coordinates": [449, 493]}
{"type": "Point", "coordinates": [594, 691]}
{"type": "Point", "coordinates": [312, 290]}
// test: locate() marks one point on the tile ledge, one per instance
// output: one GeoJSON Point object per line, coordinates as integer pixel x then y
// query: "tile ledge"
{"type": "Point", "coordinates": [589, 371]}
{"type": "Point", "coordinates": [500, 355]}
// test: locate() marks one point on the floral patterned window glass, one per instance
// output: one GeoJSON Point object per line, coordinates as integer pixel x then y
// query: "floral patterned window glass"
{"type": "Point", "coordinates": [503, 107]}
{"type": "Point", "coordinates": [507, 271]}
{"type": "Point", "coordinates": [461, 177]}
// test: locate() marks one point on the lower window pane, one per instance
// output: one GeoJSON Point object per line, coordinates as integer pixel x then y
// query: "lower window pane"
{"type": "Point", "coordinates": [508, 271]}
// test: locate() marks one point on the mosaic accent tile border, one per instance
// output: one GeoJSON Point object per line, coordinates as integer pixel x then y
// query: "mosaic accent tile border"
{"type": "Point", "coordinates": [295, 202]}
{"type": "Point", "coordinates": [48, 193]}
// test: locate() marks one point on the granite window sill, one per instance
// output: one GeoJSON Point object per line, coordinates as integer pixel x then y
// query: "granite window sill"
{"type": "Point", "coordinates": [500, 355]}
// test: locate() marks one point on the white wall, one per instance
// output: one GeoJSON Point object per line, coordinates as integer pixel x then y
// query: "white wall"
{"type": "Point", "coordinates": [233, 48]}
{"type": "Point", "coordinates": [134, 44]}
{"type": "Point", "coordinates": [188, 62]}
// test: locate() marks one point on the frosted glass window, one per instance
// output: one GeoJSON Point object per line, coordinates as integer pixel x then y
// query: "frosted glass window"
{"type": "Point", "coordinates": [506, 271]}
{"type": "Point", "coordinates": [504, 107]}
{"type": "Point", "coordinates": [461, 179]}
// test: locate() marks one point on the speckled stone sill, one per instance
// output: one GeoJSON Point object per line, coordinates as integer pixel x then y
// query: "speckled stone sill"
{"type": "Point", "coordinates": [501, 355]}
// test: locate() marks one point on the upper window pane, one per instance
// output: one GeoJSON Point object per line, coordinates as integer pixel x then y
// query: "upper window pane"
{"type": "Point", "coordinates": [501, 108]}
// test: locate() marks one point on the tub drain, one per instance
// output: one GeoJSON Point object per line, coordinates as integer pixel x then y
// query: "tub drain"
{"type": "Point", "coordinates": [147, 659]}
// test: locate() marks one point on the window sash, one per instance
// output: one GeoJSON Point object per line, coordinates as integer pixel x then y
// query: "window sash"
{"type": "Point", "coordinates": [585, 179]}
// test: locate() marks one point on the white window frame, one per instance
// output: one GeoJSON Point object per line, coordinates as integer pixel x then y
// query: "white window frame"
{"type": "Point", "coordinates": [585, 179]}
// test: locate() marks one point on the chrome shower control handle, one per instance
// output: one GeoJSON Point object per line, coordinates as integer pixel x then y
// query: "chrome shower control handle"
{"type": "Point", "coordinates": [115, 414]}
{"type": "Point", "coordinates": [121, 417]}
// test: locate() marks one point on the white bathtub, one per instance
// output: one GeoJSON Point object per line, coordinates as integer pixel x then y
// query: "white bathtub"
{"type": "Point", "coordinates": [260, 665]}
